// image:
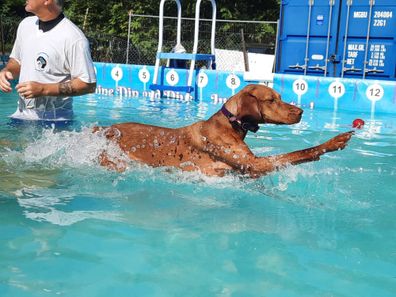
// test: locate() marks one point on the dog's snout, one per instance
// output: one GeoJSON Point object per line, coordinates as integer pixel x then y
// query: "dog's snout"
{"type": "Point", "coordinates": [296, 110]}
{"type": "Point", "coordinates": [300, 111]}
{"type": "Point", "coordinates": [295, 114]}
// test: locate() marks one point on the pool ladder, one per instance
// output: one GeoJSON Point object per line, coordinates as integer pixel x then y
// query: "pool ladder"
{"type": "Point", "coordinates": [192, 57]}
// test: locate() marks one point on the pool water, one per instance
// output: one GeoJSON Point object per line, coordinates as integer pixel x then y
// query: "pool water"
{"type": "Point", "coordinates": [69, 227]}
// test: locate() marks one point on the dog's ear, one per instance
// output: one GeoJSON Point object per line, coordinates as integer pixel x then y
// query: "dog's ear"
{"type": "Point", "coordinates": [248, 107]}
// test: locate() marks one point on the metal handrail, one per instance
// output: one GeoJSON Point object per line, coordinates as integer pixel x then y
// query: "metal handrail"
{"type": "Point", "coordinates": [196, 30]}
{"type": "Point", "coordinates": [196, 35]}
{"type": "Point", "coordinates": [161, 24]}
{"type": "Point", "coordinates": [161, 31]}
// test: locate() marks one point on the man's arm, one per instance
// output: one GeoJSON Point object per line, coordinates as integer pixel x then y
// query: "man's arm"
{"type": "Point", "coordinates": [10, 72]}
{"type": "Point", "coordinates": [74, 87]}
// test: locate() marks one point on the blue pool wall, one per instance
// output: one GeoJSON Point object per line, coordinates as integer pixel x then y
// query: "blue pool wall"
{"type": "Point", "coordinates": [214, 87]}
{"type": "Point", "coordinates": [359, 95]}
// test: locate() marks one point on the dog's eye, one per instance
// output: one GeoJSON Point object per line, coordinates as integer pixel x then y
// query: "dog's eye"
{"type": "Point", "coordinates": [271, 100]}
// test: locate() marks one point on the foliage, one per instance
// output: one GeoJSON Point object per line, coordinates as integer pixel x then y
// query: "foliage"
{"type": "Point", "coordinates": [105, 20]}
{"type": "Point", "coordinates": [111, 16]}
{"type": "Point", "coordinates": [11, 12]}
{"type": "Point", "coordinates": [12, 8]}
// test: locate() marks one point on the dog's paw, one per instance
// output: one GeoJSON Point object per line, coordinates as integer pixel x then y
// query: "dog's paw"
{"type": "Point", "coordinates": [338, 143]}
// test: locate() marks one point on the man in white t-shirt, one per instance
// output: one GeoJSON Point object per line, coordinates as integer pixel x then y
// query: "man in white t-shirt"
{"type": "Point", "coordinates": [52, 59]}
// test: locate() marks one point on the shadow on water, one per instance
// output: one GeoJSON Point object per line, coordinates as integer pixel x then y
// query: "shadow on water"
{"type": "Point", "coordinates": [55, 125]}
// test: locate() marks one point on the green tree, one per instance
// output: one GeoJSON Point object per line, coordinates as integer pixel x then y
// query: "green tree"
{"type": "Point", "coordinates": [12, 8]}
{"type": "Point", "coordinates": [11, 13]}
{"type": "Point", "coordinates": [105, 21]}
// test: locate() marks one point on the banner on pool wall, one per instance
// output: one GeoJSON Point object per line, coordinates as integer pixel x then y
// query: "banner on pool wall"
{"type": "Point", "coordinates": [212, 86]}
{"type": "Point", "coordinates": [134, 81]}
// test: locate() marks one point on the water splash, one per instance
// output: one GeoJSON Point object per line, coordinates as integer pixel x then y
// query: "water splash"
{"type": "Point", "coordinates": [66, 148]}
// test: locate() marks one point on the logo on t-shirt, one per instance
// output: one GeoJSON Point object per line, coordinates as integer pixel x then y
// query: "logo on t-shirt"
{"type": "Point", "coordinates": [41, 61]}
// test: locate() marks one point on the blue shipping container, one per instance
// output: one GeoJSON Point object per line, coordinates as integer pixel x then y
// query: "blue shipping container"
{"type": "Point", "coordinates": [338, 38]}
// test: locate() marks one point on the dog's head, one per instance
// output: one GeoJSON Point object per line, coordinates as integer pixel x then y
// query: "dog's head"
{"type": "Point", "coordinates": [261, 104]}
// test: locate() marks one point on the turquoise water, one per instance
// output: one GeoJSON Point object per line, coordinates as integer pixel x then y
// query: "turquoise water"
{"type": "Point", "coordinates": [69, 227]}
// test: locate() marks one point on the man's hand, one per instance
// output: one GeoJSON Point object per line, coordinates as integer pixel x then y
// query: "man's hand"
{"type": "Point", "coordinates": [10, 72]}
{"type": "Point", "coordinates": [30, 89]}
{"type": "Point", "coordinates": [5, 77]}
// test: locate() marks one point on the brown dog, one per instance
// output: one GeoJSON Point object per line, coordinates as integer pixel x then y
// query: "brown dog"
{"type": "Point", "coordinates": [217, 145]}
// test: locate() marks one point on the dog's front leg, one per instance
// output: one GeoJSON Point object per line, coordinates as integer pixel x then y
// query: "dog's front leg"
{"type": "Point", "coordinates": [265, 165]}
{"type": "Point", "coordinates": [241, 159]}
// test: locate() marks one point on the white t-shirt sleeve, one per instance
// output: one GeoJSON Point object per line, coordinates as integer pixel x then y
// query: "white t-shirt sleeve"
{"type": "Point", "coordinates": [16, 49]}
{"type": "Point", "coordinates": [81, 65]}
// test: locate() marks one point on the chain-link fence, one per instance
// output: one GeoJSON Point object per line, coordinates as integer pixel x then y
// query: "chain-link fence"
{"type": "Point", "coordinates": [257, 37]}
{"type": "Point", "coordinates": [140, 45]}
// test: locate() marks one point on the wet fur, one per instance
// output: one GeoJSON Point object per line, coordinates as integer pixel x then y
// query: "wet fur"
{"type": "Point", "coordinates": [214, 146]}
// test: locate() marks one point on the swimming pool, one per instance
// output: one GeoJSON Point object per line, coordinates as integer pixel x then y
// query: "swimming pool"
{"type": "Point", "coordinates": [72, 228]}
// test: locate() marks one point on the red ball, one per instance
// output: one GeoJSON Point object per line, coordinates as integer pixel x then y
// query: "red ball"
{"type": "Point", "coordinates": [358, 123]}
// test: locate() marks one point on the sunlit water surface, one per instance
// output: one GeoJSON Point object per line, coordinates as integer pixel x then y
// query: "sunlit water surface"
{"type": "Point", "coordinates": [69, 227]}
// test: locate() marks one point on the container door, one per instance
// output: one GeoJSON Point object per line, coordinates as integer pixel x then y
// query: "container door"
{"type": "Point", "coordinates": [307, 38]}
{"type": "Point", "coordinates": [367, 39]}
